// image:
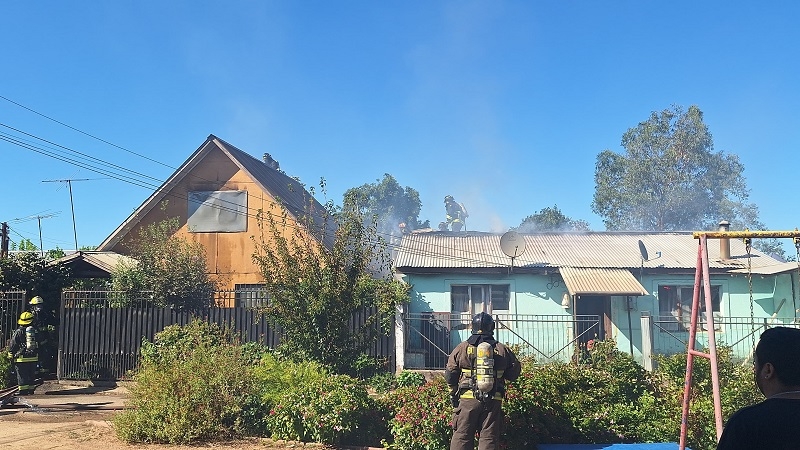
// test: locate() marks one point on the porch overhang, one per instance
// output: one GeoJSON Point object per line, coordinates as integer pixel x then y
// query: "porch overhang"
{"type": "Point", "coordinates": [601, 281]}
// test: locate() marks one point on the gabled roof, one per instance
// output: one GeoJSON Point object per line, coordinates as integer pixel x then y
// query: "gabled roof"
{"type": "Point", "coordinates": [93, 264]}
{"type": "Point", "coordinates": [439, 251]}
{"type": "Point", "coordinates": [289, 191]}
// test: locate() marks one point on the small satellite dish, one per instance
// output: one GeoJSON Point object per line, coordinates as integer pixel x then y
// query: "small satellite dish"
{"type": "Point", "coordinates": [643, 251]}
{"type": "Point", "coordinates": [512, 244]}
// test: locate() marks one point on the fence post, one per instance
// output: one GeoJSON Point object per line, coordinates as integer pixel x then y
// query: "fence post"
{"type": "Point", "coordinates": [647, 341]}
{"type": "Point", "coordinates": [399, 339]}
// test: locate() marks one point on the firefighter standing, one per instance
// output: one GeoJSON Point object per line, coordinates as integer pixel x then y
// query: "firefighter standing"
{"type": "Point", "coordinates": [23, 350]}
{"type": "Point", "coordinates": [41, 324]}
{"type": "Point", "coordinates": [476, 373]}
{"type": "Point", "coordinates": [456, 213]}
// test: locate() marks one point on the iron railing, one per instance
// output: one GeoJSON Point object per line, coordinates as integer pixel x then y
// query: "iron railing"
{"type": "Point", "coordinates": [12, 304]}
{"type": "Point", "coordinates": [430, 337]}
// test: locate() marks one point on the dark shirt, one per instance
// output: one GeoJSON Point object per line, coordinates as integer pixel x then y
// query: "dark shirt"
{"type": "Point", "coordinates": [769, 425]}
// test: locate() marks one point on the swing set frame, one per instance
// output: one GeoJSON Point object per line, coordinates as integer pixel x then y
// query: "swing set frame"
{"type": "Point", "coordinates": [702, 275]}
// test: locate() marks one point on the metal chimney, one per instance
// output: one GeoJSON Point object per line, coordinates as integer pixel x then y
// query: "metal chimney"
{"type": "Point", "coordinates": [724, 243]}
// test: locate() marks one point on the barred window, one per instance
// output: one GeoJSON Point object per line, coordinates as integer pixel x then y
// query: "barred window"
{"type": "Point", "coordinates": [251, 295]}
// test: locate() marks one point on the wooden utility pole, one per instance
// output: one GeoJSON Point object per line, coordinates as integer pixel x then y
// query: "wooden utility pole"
{"type": "Point", "coordinates": [4, 238]}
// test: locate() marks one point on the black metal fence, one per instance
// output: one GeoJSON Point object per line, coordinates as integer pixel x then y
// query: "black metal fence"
{"type": "Point", "coordinates": [101, 341]}
{"type": "Point", "coordinates": [12, 304]}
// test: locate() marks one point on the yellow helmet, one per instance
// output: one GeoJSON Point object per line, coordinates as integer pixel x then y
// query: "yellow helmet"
{"type": "Point", "coordinates": [36, 301]}
{"type": "Point", "coordinates": [25, 318]}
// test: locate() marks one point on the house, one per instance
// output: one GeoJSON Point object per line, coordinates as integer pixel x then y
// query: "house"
{"type": "Point", "coordinates": [217, 195]}
{"type": "Point", "coordinates": [562, 290]}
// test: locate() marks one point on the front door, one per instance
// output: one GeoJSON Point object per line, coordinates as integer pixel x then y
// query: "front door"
{"type": "Point", "coordinates": [592, 317]}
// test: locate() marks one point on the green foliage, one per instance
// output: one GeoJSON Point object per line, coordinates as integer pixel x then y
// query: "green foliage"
{"type": "Point", "coordinates": [382, 383]}
{"type": "Point", "coordinates": [551, 219]}
{"type": "Point", "coordinates": [188, 387]}
{"type": "Point", "coordinates": [670, 178]}
{"type": "Point", "coordinates": [316, 290]}
{"type": "Point", "coordinates": [421, 417]}
{"type": "Point", "coordinates": [33, 273]}
{"type": "Point", "coordinates": [177, 342]}
{"type": "Point", "coordinates": [329, 410]}
{"type": "Point", "coordinates": [389, 202]}
{"type": "Point", "coordinates": [171, 268]}
{"type": "Point", "coordinates": [7, 377]}
{"type": "Point", "coordinates": [407, 378]}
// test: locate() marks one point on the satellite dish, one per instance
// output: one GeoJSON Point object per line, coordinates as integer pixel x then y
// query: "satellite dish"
{"type": "Point", "coordinates": [643, 251]}
{"type": "Point", "coordinates": [512, 244]}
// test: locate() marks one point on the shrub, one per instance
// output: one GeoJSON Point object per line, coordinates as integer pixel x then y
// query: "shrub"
{"type": "Point", "coordinates": [328, 410]}
{"type": "Point", "coordinates": [421, 417]}
{"type": "Point", "coordinates": [189, 387]}
{"type": "Point", "coordinates": [7, 374]}
{"type": "Point", "coordinates": [407, 378]}
{"type": "Point", "coordinates": [382, 383]}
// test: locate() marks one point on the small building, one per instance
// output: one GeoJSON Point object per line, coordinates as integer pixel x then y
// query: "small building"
{"type": "Point", "coordinates": [567, 289]}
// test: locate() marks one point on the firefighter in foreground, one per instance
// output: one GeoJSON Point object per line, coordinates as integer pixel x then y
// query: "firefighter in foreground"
{"type": "Point", "coordinates": [476, 372]}
{"type": "Point", "coordinates": [23, 350]}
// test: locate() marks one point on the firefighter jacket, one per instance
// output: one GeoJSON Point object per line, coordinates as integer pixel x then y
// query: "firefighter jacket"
{"type": "Point", "coordinates": [459, 371]}
{"type": "Point", "coordinates": [18, 348]}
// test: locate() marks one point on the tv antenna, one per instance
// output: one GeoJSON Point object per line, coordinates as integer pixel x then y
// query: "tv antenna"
{"type": "Point", "coordinates": [512, 244]}
{"type": "Point", "coordinates": [71, 204]}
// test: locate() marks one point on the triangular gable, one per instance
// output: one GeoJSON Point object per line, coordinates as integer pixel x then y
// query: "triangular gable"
{"type": "Point", "coordinates": [285, 189]}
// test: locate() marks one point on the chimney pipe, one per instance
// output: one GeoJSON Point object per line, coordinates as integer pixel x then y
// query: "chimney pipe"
{"type": "Point", "coordinates": [724, 243]}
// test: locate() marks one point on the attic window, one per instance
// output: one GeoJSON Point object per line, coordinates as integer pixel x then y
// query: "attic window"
{"type": "Point", "coordinates": [217, 211]}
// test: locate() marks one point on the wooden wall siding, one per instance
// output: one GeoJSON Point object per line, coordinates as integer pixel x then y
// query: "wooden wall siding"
{"type": "Point", "coordinates": [104, 343]}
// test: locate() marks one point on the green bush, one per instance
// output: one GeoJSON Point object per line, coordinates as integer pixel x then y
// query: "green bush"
{"type": "Point", "coordinates": [328, 410]}
{"type": "Point", "coordinates": [8, 377]}
{"type": "Point", "coordinates": [189, 387]}
{"type": "Point", "coordinates": [421, 417]}
{"type": "Point", "coordinates": [382, 383]}
{"type": "Point", "coordinates": [407, 378]}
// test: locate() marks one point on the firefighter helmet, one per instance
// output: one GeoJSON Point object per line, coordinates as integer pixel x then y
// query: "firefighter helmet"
{"type": "Point", "coordinates": [25, 318]}
{"type": "Point", "coordinates": [482, 323]}
{"type": "Point", "coordinates": [449, 198]}
{"type": "Point", "coordinates": [36, 301]}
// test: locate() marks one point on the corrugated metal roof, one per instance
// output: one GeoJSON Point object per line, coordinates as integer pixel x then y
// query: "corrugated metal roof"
{"type": "Point", "coordinates": [669, 250]}
{"type": "Point", "coordinates": [600, 281]}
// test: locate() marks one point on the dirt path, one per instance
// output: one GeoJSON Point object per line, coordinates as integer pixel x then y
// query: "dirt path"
{"type": "Point", "coordinates": [92, 430]}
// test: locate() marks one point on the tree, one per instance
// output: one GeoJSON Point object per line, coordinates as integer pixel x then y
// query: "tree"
{"type": "Point", "coordinates": [551, 219]}
{"type": "Point", "coordinates": [314, 291]}
{"type": "Point", "coordinates": [389, 202]}
{"type": "Point", "coordinates": [34, 274]}
{"type": "Point", "coordinates": [171, 268]}
{"type": "Point", "coordinates": [670, 178]}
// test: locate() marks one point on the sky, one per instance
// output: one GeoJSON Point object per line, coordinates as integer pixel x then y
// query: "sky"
{"type": "Point", "coordinates": [502, 104]}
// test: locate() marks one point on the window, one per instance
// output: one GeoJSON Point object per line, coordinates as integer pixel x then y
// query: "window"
{"type": "Point", "coordinates": [217, 211]}
{"type": "Point", "coordinates": [475, 298]}
{"type": "Point", "coordinates": [675, 303]}
{"type": "Point", "coordinates": [250, 295]}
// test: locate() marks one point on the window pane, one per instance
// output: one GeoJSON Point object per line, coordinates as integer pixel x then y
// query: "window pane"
{"type": "Point", "coordinates": [459, 298]}
{"type": "Point", "coordinates": [500, 297]}
{"type": "Point", "coordinates": [251, 295]}
{"type": "Point", "coordinates": [478, 303]}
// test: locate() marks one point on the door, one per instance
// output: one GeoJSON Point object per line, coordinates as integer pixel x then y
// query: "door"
{"type": "Point", "coordinates": [592, 317]}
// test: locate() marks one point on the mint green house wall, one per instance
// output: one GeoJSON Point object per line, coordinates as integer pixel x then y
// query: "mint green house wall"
{"type": "Point", "coordinates": [532, 294]}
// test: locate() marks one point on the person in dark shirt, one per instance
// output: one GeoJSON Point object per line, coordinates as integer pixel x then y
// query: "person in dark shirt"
{"type": "Point", "coordinates": [773, 423]}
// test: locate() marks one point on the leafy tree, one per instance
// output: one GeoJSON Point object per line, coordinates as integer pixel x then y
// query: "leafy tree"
{"type": "Point", "coordinates": [33, 273]}
{"type": "Point", "coordinates": [670, 178]}
{"type": "Point", "coordinates": [170, 267]}
{"type": "Point", "coordinates": [551, 219]}
{"type": "Point", "coordinates": [24, 245]}
{"type": "Point", "coordinates": [315, 290]}
{"type": "Point", "coordinates": [391, 203]}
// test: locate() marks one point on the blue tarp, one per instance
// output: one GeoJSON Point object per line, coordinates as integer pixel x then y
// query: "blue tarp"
{"type": "Point", "coordinates": [659, 446]}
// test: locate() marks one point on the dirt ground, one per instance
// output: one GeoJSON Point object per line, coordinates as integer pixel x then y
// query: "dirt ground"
{"type": "Point", "coordinates": [93, 430]}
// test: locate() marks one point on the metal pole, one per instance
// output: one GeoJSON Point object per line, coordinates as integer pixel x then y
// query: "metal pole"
{"type": "Point", "coordinates": [41, 245]}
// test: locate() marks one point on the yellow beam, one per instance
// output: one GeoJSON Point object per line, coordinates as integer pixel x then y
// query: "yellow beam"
{"type": "Point", "coordinates": [746, 234]}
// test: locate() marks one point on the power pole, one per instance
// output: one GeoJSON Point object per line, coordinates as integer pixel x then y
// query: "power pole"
{"type": "Point", "coordinates": [4, 238]}
{"type": "Point", "coordinates": [71, 204]}
{"type": "Point", "coordinates": [46, 216]}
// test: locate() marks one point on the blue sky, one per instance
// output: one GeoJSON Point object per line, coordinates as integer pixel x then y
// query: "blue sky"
{"type": "Point", "coordinates": [504, 105]}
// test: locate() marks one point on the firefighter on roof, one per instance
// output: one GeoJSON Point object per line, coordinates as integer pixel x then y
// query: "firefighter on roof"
{"type": "Point", "coordinates": [476, 372]}
{"type": "Point", "coordinates": [23, 350]}
{"type": "Point", "coordinates": [456, 214]}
